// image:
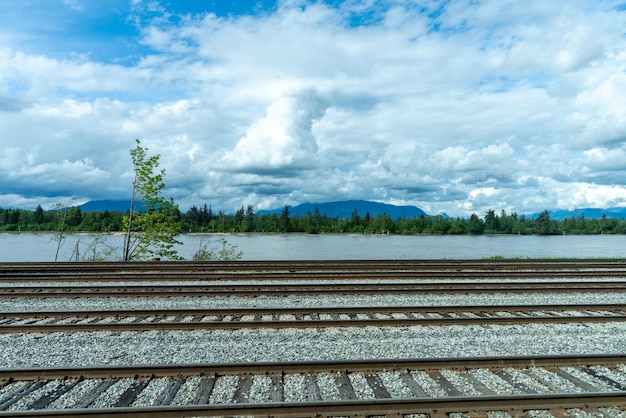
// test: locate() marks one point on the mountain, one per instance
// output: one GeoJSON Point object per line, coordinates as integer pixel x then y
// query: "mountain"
{"type": "Point", "coordinates": [102, 205]}
{"type": "Point", "coordinates": [589, 213]}
{"type": "Point", "coordinates": [345, 208]}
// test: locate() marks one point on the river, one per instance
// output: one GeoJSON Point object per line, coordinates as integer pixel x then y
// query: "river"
{"type": "Point", "coordinates": [42, 247]}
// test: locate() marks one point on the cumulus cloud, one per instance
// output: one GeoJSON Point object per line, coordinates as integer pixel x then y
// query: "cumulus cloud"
{"type": "Point", "coordinates": [282, 139]}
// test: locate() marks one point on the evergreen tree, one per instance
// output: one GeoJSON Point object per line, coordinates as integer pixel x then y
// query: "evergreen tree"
{"type": "Point", "coordinates": [492, 222]}
{"type": "Point", "coordinates": [542, 225]}
{"type": "Point", "coordinates": [38, 219]}
{"type": "Point", "coordinates": [249, 219]}
{"type": "Point", "coordinates": [285, 221]}
{"type": "Point", "coordinates": [317, 218]}
{"type": "Point", "coordinates": [238, 221]}
{"type": "Point", "coordinates": [475, 226]}
{"type": "Point", "coordinates": [193, 218]}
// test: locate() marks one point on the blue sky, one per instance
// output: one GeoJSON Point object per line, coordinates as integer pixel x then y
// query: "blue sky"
{"type": "Point", "coordinates": [453, 106]}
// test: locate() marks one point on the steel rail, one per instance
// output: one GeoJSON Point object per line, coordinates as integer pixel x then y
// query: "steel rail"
{"type": "Point", "coordinates": [263, 267]}
{"type": "Point", "coordinates": [348, 310]}
{"type": "Point", "coordinates": [196, 324]}
{"type": "Point", "coordinates": [308, 275]}
{"type": "Point", "coordinates": [384, 407]}
{"type": "Point", "coordinates": [312, 289]}
{"type": "Point", "coordinates": [338, 323]}
{"type": "Point", "coordinates": [317, 264]}
{"type": "Point", "coordinates": [311, 270]}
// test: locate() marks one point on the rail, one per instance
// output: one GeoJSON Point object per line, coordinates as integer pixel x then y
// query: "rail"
{"type": "Point", "coordinates": [313, 289]}
{"type": "Point", "coordinates": [383, 401]}
{"type": "Point", "coordinates": [190, 319]}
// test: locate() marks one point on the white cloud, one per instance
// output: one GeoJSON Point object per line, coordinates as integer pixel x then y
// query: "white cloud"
{"type": "Point", "coordinates": [75, 5]}
{"type": "Point", "coordinates": [282, 138]}
{"type": "Point", "coordinates": [585, 195]}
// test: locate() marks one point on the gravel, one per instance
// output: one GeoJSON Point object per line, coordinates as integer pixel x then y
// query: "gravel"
{"type": "Point", "coordinates": [460, 382]}
{"type": "Point", "coordinates": [495, 383]}
{"type": "Point", "coordinates": [202, 346]}
{"type": "Point", "coordinates": [555, 381]}
{"type": "Point", "coordinates": [188, 391]}
{"type": "Point", "coordinates": [427, 383]}
{"type": "Point", "coordinates": [394, 384]}
{"type": "Point", "coordinates": [225, 387]}
{"type": "Point", "coordinates": [108, 398]}
{"type": "Point", "coordinates": [69, 399]}
{"type": "Point", "coordinates": [259, 391]}
{"type": "Point", "coordinates": [302, 301]}
{"type": "Point", "coordinates": [328, 387]}
{"type": "Point", "coordinates": [294, 388]}
{"type": "Point", "coordinates": [26, 401]}
{"type": "Point", "coordinates": [362, 389]}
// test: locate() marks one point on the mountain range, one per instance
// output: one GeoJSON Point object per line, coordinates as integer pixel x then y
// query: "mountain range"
{"type": "Point", "coordinates": [344, 209]}
{"type": "Point", "coordinates": [102, 205]}
{"type": "Point", "coordinates": [589, 213]}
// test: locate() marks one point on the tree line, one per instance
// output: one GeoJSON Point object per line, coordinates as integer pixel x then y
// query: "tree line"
{"type": "Point", "coordinates": [202, 219]}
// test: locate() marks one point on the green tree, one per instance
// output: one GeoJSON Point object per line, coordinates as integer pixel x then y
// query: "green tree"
{"type": "Point", "coordinates": [505, 223]}
{"type": "Point", "coordinates": [440, 225]}
{"type": "Point", "coordinates": [206, 215]}
{"type": "Point", "coordinates": [476, 226]}
{"type": "Point", "coordinates": [38, 218]}
{"type": "Point", "coordinates": [382, 224]}
{"type": "Point", "coordinates": [356, 219]}
{"type": "Point", "coordinates": [492, 222]}
{"type": "Point", "coordinates": [74, 216]}
{"type": "Point", "coordinates": [192, 219]}
{"type": "Point", "coordinates": [458, 226]}
{"type": "Point", "coordinates": [249, 219]}
{"type": "Point", "coordinates": [285, 221]}
{"type": "Point", "coordinates": [238, 220]}
{"type": "Point", "coordinates": [542, 225]}
{"type": "Point", "coordinates": [152, 222]}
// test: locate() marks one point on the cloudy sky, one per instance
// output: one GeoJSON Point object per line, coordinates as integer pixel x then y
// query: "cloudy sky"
{"type": "Point", "coordinates": [454, 106]}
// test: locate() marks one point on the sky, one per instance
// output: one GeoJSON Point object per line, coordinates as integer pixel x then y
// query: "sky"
{"type": "Point", "coordinates": [453, 106]}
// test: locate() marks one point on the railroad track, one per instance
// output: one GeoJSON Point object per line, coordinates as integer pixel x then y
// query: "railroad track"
{"type": "Point", "coordinates": [273, 276]}
{"type": "Point", "coordinates": [281, 289]}
{"type": "Point", "coordinates": [295, 265]}
{"type": "Point", "coordinates": [187, 319]}
{"type": "Point", "coordinates": [384, 387]}
{"type": "Point", "coordinates": [314, 270]}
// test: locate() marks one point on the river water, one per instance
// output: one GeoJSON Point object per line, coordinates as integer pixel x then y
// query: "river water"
{"type": "Point", "coordinates": [42, 247]}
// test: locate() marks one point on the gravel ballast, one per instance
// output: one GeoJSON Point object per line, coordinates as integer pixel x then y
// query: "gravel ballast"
{"type": "Point", "coordinates": [208, 346]}
{"type": "Point", "coordinates": [220, 346]}
{"type": "Point", "coordinates": [302, 301]}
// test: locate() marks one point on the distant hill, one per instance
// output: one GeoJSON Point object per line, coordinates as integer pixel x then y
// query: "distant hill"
{"type": "Point", "coordinates": [102, 205]}
{"type": "Point", "coordinates": [342, 209]}
{"type": "Point", "coordinates": [345, 208]}
{"type": "Point", "coordinates": [589, 213]}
